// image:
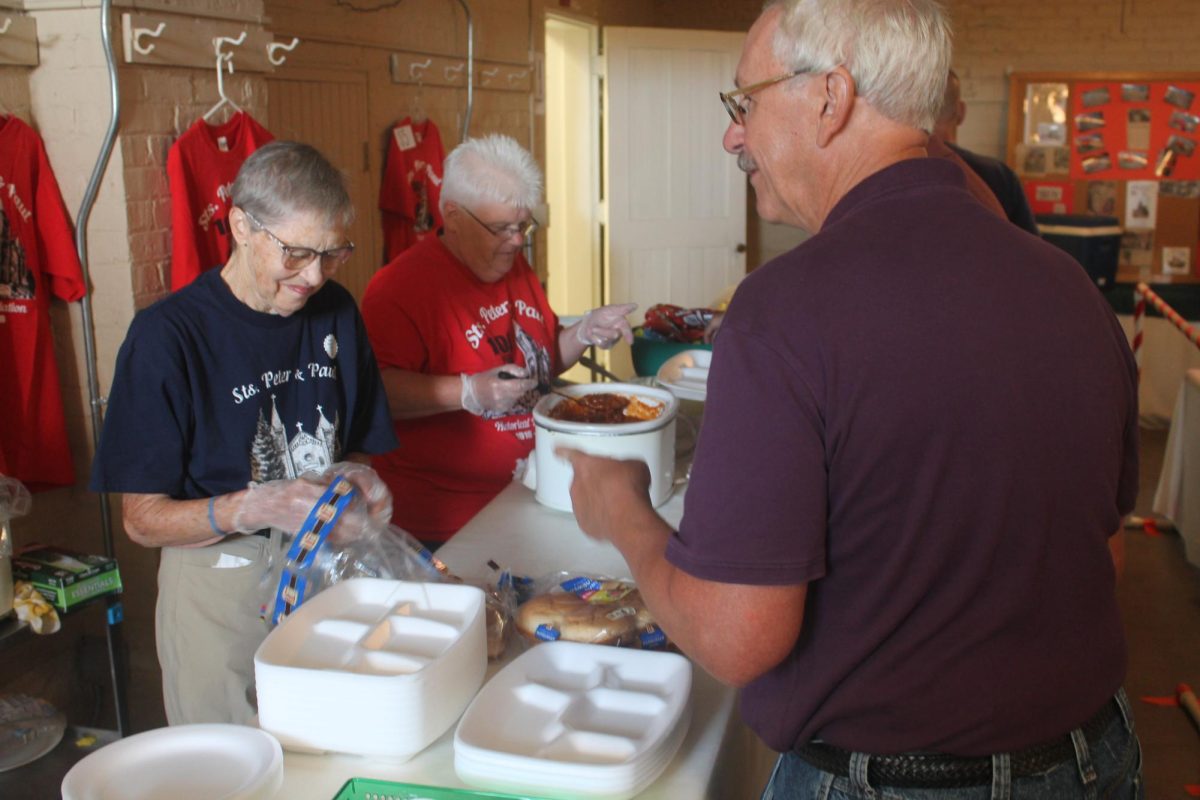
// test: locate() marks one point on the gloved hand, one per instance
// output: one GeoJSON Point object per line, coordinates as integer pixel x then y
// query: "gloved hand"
{"type": "Point", "coordinates": [374, 491]}
{"type": "Point", "coordinates": [603, 326]}
{"type": "Point", "coordinates": [487, 391]}
{"type": "Point", "coordinates": [285, 504]}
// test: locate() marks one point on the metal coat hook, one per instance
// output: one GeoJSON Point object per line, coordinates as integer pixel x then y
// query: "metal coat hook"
{"type": "Point", "coordinates": [138, 33]}
{"type": "Point", "coordinates": [274, 47]}
{"type": "Point", "coordinates": [417, 70]}
{"type": "Point", "coordinates": [7, 24]}
{"type": "Point", "coordinates": [456, 70]}
{"type": "Point", "coordinates": [488, 74]}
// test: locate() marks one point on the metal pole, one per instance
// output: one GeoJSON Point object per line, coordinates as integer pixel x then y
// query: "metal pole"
{"type": "Point", "coordinates": [89, 341]}
{"type": "Point", "coordinates": [470, 71]}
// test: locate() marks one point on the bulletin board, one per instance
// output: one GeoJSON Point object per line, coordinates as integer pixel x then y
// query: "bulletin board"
{"type": "Point", "coordinates": [1116, 144]}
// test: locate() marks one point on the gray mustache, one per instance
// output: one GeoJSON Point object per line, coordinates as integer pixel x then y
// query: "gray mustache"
{"type": "Point", "coordinates": [745, 162]}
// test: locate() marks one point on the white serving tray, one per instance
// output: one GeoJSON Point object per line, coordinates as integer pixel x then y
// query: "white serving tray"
{"type": "Point", "coordinates": [576, 720]}
{"type": "Point", "coordinates": [372, 667]}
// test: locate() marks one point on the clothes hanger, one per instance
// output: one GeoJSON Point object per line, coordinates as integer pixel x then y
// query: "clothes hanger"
{"type": "Point", "coordinates": [223, 59]}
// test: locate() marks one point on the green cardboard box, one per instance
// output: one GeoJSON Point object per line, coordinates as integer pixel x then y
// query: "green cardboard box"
{"type": "Point", "coordinates": [65, 578]}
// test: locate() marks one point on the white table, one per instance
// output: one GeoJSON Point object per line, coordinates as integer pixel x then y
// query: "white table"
{"type": "Point", "coordinates": [720, 758]}
{"type": "Point", "coordinates": [1178, 494]}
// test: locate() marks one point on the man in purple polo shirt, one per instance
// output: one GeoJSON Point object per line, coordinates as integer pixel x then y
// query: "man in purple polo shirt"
{"type": "Point", "coordinates": [919, 441]}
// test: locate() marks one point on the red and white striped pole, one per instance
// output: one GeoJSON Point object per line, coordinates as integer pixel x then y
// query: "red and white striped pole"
{"type": "Point", "coordinates": [1186, 328]}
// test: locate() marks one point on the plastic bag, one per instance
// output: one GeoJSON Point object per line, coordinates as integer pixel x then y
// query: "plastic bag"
{"type": "Point", "coordinates": [15, 500]}
{"type": "Point", "coordinates": [593, 609]}
{"type": "Point", "coordinates": [312, 559]}
{"type": "Point", "coordinates": [670, 323]}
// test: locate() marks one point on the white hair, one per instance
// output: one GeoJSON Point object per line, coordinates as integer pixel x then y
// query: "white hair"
{"type": "Point", "coordinates": [897, 51]}
{"type": "Point", "coordinates": [491, 169]}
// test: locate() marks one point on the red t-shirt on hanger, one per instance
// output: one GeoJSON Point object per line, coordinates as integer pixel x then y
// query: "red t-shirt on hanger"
{"type": "Point", "coordinates": [37, 260]}
{"type": "Point", "coordinates": [412, 185]}
{"type": "Point", "coordinates": [201, 166]}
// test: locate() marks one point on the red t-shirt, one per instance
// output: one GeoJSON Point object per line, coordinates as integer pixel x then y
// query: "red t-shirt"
{"type": "Point", "coordinates": [201, 166]}
{"type": "Point", "coordinates": [412, 185]}
{"type": "Point", "coordinates": [37, 260]}
{"type": "Point", "coordinates": [426, 312]}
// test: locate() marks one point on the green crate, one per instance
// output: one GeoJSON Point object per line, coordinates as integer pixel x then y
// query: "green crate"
{"type": "Point", "coordinates": [369, 789]}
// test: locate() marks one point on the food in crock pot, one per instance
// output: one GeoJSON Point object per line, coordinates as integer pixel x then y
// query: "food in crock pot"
{"type": "Point", "coordinates": [605, 407]}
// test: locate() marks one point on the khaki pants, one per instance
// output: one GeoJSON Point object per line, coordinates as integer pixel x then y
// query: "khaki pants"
{"type": "Point", "coordinates": [207, 627]}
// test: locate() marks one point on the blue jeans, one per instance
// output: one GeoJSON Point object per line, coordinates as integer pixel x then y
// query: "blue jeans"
{"type": "Point", "coordinates": [1108, 769]}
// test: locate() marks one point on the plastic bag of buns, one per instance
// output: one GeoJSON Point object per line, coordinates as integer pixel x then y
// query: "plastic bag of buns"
{"type": "Point", "coordinates": [592, 609]}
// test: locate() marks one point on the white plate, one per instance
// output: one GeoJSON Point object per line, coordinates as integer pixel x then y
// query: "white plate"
{"type": "Point", "coordinates": [686, 375]}
{"type": "Point", "coordinates": [183, 762]}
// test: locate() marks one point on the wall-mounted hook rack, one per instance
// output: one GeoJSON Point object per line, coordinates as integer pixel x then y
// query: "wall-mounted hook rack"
{"type": "Point", "coordinates": [189, 41]}
{"type": "Point", "coordinates": [138, 33]}
{"type": "Point", "coordinates": [18, 40]}
{"type": "Point", "coordinates": [433, 70]}
{"type": "Point", "coordinates": [416, 70]}
{"type": "Point", "coordinates": [274, 54]}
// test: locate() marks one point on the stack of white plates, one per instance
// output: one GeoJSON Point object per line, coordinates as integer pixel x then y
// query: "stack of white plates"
{"type": "Point", "coordinates": [686, 375]}
{"type": "Point", "coordinates": [568, 720]}
{"type": "Point", "coordinates": [183, 762]}
{"type": "Point", "coordinates": [372, 667]}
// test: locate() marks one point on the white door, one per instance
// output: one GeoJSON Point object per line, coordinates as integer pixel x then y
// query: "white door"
{"type": "Point", "coordinates": [676, 202]}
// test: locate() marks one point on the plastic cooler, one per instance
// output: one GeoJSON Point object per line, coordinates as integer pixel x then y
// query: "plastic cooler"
{"type": "Point", "coordinates": [650, 354]}
{"type": "Point", "coordinates": [1095, 242]}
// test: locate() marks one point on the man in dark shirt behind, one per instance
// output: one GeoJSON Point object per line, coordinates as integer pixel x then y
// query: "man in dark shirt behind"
{"type": "Point", "coordinates": [919, 440]}
{"type": "Point", "coordinates": [1003, 182]}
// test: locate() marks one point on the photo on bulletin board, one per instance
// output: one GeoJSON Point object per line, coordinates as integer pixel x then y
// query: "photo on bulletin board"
{"type": "Point", "coordinates": [1177, 260]}
{"type": "Point", "coordinates": [1145, 130]}
{"type": "Point", "coordinates": [1137, 249]}
{"type": "Point", "coordinates": [1102, 198]}
{"type": "Point", "coordinates": [1141, 205]}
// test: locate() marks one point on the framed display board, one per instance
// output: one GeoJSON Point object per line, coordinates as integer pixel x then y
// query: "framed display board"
{"type": "Point", "coordinates": [1115, 144]}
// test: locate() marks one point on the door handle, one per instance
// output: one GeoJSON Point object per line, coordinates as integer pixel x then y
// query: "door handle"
{"type": "Point", "coordinates": [741, 247]}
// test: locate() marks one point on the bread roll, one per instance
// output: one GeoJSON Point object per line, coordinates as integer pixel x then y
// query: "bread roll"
{"type": "Point", "coordinates": [565, 615]}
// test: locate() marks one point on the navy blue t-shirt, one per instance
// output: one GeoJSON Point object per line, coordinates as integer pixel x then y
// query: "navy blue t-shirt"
{"type": "Point", "coordinates": [210, 395]}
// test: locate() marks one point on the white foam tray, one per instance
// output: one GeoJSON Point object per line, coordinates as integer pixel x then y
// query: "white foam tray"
{"type": "Point", "coordinates": [685, 374]}
{"type": "Point", "coordinates": [579, 720]}
{"type": "Point", "coordinates": [372, 667]}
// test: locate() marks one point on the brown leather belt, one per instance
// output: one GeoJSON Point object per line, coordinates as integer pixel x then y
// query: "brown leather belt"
{"type": "Point", "coordinates": [941, 771]}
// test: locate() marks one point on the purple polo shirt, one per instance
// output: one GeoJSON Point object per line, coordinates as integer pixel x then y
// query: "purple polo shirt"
{"type": "Point", "coordinates": [929, 416]}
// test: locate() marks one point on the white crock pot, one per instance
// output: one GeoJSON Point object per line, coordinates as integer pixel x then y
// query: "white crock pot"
{"type": "Point", "coordinates": [652, 441]}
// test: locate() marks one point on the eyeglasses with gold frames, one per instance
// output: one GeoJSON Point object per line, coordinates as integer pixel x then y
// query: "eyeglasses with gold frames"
{"type": "Point", "coordinates": [297, 258]}
{"type": "Point", "coordinates": [501, 231]}
{"type": "Point", "coordinates": [737, 112]}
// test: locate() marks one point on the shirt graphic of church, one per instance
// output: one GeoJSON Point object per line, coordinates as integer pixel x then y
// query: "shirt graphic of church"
{"type": "Point", "coordinates": [273, 456]}
{"type": "Point", "coordinates": [16, 279]}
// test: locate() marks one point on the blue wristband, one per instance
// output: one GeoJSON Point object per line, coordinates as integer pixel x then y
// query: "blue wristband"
{"type": "Point", "coordinates": [212, 519]}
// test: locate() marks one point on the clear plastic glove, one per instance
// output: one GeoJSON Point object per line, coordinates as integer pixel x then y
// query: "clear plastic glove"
{"type": "Point", "coordinates": [603, 326]}
{"type": "Point", "coordinates": [496, 389]}
{"type": "Point", "coordinates": [285, 504]}
{"type": "Point", "coordinates": [374, 491]}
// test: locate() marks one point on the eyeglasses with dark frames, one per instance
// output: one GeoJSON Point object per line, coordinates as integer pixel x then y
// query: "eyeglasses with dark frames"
{"type": "Point", "coordinates": [524, 229]}
{"type": "Point", "coordinates": [297, 258]}
{"type": "Point", "coordinates": [737, 112]}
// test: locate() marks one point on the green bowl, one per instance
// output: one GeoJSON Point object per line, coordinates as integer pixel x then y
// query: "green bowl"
{"type": "Point", "coordinates": [649, 354]}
